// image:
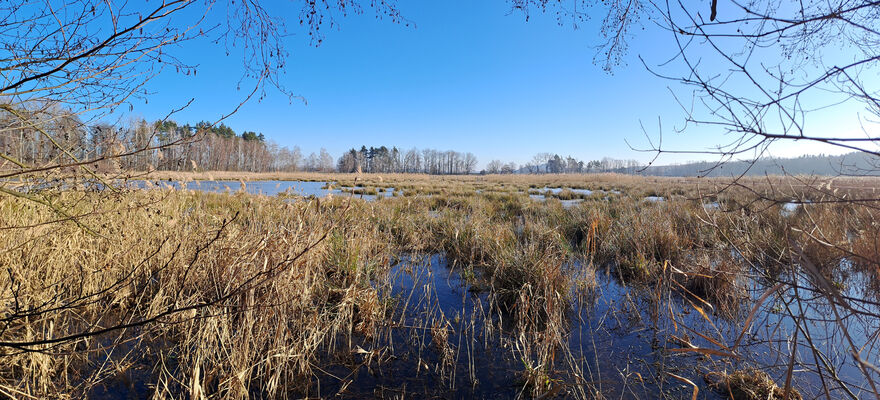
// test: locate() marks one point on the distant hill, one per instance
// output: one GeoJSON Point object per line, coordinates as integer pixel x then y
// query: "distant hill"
{"type": "Point", "coordinates": [856, 163]}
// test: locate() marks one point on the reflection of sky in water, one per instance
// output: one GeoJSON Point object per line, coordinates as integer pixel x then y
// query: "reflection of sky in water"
{"type": "Point", "coordinates": [268, 188]}
{"type": "Point", "coordinates": [556, 190]}
{"type": "Point", "coordinates": [608, 330]}
{"type": "Point", "coordinates": [565, 203]}
{"type": "Point", "coordinates": [615, 328]}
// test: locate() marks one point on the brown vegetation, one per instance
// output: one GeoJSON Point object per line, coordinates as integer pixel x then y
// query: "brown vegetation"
{"type": "Point", "coordinates": [238, 295]}
{"type": "Point", "coordinates": [752, 384]}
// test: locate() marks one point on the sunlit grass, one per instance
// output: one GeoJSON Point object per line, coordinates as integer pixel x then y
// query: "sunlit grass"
{"type": "Point", "coordinates": [157, 250]}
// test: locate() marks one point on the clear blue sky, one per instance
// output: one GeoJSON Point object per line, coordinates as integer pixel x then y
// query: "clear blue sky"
{"type": "Point", "coordinates": [469, 76]}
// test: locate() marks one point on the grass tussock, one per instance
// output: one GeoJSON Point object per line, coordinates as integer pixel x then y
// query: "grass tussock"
{"type": "Point", "coordinates": [752, 384]}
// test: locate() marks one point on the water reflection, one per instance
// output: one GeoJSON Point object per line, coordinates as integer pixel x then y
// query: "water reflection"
{"type": "Point", "coordinates": [267, 188]}
{"type": "Point", "coordinates": [622, 340]}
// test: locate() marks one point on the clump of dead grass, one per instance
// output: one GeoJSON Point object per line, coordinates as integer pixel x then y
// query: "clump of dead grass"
{"type": "Point", "coordinates": [751, 384]}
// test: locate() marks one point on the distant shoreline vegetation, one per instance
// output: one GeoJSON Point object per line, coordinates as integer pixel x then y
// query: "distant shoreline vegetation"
{"type": "Point", "coordinates": [850, 164]}
{"type": "Point", "coordinates": [168, 146]}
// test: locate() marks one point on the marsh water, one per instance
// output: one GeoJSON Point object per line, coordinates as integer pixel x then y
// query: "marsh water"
{"type": "Point", "coordinates": [266, 188]}
{"type": "Point", "coordinates": [316, 189]}
{"type": "Point", "coordinates": [617, 343]}
{"type": "Point", "coordinates": [447, 338]}
{"type": "Point", "coordinates": [620, 341]}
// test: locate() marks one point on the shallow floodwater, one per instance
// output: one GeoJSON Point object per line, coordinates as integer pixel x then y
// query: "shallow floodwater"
{"type": "Point", "coordinates": [607, 337]}
{"type": "Point", "coordinates": [618, 341]}
{"type": "Point", "coordinates": [267, 188]}
{"type": "Point", "coordinates": [557, 190]}
{"type": "Point", "coordinates": [788, 209]}
{"type": "Point", "coordinates": [565, 203]}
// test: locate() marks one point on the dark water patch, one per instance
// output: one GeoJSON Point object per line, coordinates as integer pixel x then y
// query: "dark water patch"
{"type": "Point", "coordinates": [609, 344]}
{"type": "Point", "coordinates": [622, 340]}
{"type": "Point", "coordinates": [434, 345]}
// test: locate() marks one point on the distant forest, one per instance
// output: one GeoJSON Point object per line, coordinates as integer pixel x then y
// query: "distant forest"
{"type": "Point", "coordinates": [171, 148]}
{"type": "Point", "coordinates": [162, 145]}
{"type": "Point", "coordinates": [855, 164]}
{"type": "Point", "coordinates": [428, 161]}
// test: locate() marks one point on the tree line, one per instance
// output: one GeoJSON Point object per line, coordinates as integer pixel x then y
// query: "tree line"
{"type": "Point", "coordinates": [222, 149]}
{"type": "Point", "coordinates": [169, 146]}
{"type": "Point", "coordinates": [161, 145]}
{"type": "Point", "coordinates": [428, 161]}
{"type": "Point", "coordinates": [549, 163]}
{"type": "Point", "coordinates": [217, 147]}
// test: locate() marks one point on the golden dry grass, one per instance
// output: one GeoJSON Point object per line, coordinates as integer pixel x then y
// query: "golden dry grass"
{"type": "Point", "coordinates": [255, 314]}
{"type": "Point", "coordinates": [752, 384]}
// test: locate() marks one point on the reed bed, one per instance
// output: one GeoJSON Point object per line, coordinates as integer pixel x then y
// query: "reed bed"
{"type": "Point", "coordinates": [166, 294]}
